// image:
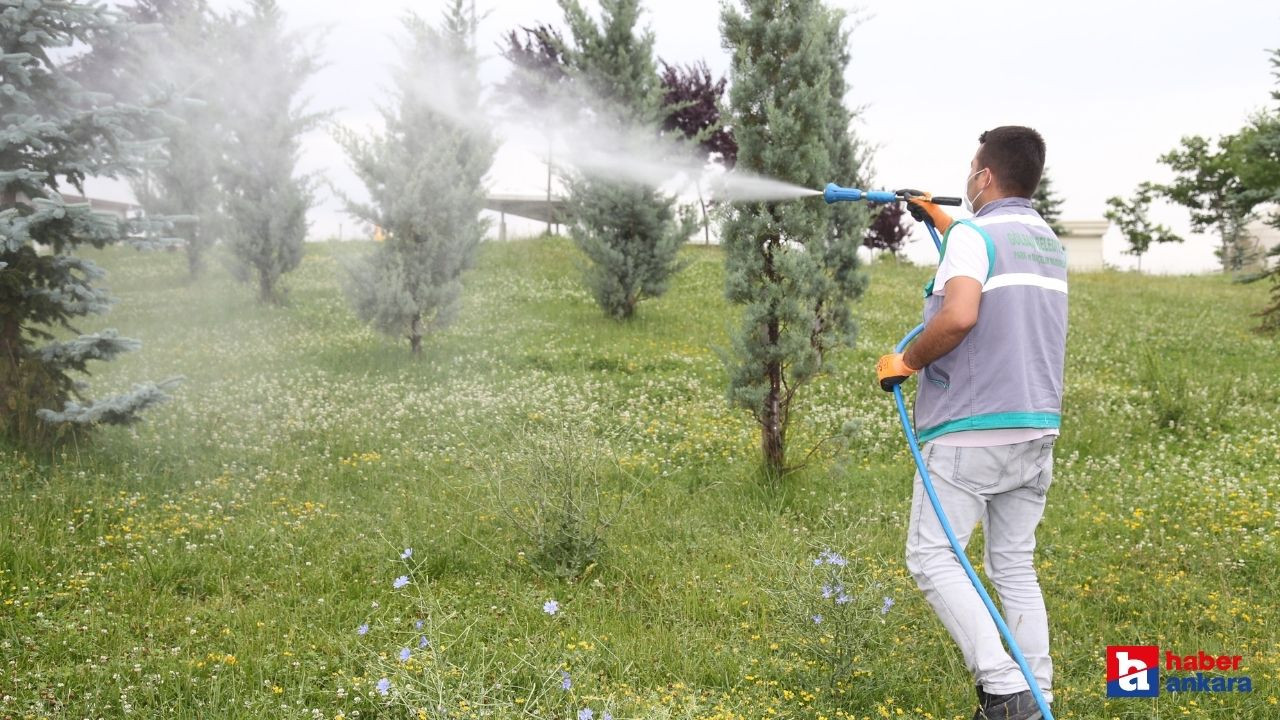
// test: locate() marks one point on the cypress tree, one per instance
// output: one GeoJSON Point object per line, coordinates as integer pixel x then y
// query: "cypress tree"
{"type": "Point", "coordinates": [266, 200]}
{"type": "Point", "coordinates": [791, 266]}
{"type": "Point", "coordinates": [58, 134]}
{"type": "Point", "coordinates": [425, 176]}
{"type": "Point", "coordinates": [630, 233]}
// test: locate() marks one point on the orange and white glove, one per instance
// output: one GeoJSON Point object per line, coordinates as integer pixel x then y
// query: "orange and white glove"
{"type": "Point", "coordinates": [892, 370]}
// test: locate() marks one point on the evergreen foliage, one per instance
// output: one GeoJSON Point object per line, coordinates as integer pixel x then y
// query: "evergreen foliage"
{"type": "Point", "coordinates": [266, 200]}
{"type": "Point", "coordinates": [58, 133]}
{"type": "Point", "coordinates": [1047, 202]}
{"type": "Point", "coordinates": [425, 177]}
{"type": "Point", "coordinates": [792, 266]}
{"type": "Point", "coordinates": [629, 233]}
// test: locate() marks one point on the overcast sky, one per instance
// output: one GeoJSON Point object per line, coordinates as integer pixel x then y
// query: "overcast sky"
{"type": "Point", "coordinates": [1110, 85]}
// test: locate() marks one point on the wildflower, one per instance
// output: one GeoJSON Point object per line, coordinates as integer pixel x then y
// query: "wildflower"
{"type": "Point", "coordinates": [417, 625]}
{"type": "Point", "coordinates": [550, 607]}
{"type": "Point", "coordinates": [888, 603]}
{"type": "Point", "coordinates": [585, 714]}
{"type": "Point", "coordinates": [404, 654]}
{"type": "Point", "coordinates": [408, 553]}
{"type": "Point", "coordinates": [400, 582]}
{"type": "Point", "coordinates": [424, 642]}
{"type": "Point", "coordinates": [607, 715]}
{"type": "Point", "coordinates": [831, 558]}
{"type": "Point", "coordinates": [565, 683]}
{"type": "Point", "coordinates": [384, 685]}
{"type": "Point", "coordinates": [827, 592]}
{"type": "Point", "coordinates": [362, 629]}
{"type": "Point", "coordinates": [817, 619]}
{"type": "Point", "coordinates": [842, 598]}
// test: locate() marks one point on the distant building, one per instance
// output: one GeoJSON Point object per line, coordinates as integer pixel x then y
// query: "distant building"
{"type": "Point", "coordinates": [1083, 241]}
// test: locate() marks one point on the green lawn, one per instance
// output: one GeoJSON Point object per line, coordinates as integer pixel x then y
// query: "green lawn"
{"type": "Point", "coordinates": [217, 560]}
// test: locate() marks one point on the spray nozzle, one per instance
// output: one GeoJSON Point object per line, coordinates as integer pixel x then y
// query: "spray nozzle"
{"type": "Point", "coordinates": [834, 193]}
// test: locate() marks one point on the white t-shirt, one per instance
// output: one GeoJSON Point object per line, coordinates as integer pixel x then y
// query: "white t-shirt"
{"type": "Point", "coordinates": [966, 256]}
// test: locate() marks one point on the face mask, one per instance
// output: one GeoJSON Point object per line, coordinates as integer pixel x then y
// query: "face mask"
{"type": "Point", "coordinates": [968, 203]}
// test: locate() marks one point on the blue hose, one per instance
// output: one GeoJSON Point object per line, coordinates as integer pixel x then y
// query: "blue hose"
{"type": "Point", "coordinates": [914, 444]}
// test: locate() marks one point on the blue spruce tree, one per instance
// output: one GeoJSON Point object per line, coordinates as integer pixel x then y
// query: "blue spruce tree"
{"type": "Point", "coordinates": [792, 266]}
{"type": "Point", "coordinates": [425, 177]}
{"type": "Point", "coordinates": [58, 134]}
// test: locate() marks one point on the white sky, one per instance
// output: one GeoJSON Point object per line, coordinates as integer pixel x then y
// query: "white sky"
{"type": "Point", "coordinates": [1110, 85]}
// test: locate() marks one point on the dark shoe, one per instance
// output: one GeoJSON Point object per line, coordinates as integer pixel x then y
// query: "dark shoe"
{"type": "Point", "coordinates": [1018, 706]}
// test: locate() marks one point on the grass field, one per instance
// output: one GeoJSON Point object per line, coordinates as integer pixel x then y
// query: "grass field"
{"type": "Point", "coordinates": [237, 554]}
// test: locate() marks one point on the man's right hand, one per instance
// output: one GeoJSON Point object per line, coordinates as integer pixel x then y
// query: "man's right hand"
{"type": "Point", "coordinates": [920, 207]}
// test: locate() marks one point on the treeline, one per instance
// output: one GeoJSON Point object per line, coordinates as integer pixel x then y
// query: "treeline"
{"type": "Point", "coordinates": [1224, 184]}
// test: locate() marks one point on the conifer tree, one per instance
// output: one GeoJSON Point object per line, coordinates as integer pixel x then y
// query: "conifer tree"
{"type": "Point", "coordinates": [630, 233]}
{"type": "Point", "coordinates": [179, 64]}
{"type": "Point", "coordinates": [266, 200]}
{"type": "Point", "coordinates": [1047, 202]}
{"type": "Point", "coordinates": [791, 266]}
{"type": "Point", "coordinates": [425, 177]}
{"type": "Point", "coordinates": [58, 134]}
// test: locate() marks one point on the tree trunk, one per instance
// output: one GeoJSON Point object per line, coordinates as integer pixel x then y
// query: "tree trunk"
{"type": "Point", "coordinates": [266, 288]}
{"type": "Point", "coordinates": [550, 212]}
{"type": "Point", "coordinates": [10, 353]}
{"type": "Point", "coordinates": [10, 346]}
{"type": "Point", "coordinates": [771, 437]}
{"type": "Point", "coordinates": [771, 430]}
{"type": "Point", "coordinates": [415, 336]}
{"type": "Point", "coordinates": [195, 253]}
{"type": "Point", "coordinates": [706, 222]}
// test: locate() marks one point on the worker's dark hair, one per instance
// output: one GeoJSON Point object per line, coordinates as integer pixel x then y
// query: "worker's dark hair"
{"type": "Point", "coordinates": [1016, 154]}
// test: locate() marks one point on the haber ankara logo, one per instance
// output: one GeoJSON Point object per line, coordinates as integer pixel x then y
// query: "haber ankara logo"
{"type": "Point", "coordinates": [1133, 671]}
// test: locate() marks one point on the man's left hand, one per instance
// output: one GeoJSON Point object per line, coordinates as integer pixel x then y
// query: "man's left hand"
{"type": "Point", "coordinates": [892, 370]}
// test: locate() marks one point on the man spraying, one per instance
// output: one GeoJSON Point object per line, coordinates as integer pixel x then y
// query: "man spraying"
{"type": "Point", "coordinates": [988, 409]}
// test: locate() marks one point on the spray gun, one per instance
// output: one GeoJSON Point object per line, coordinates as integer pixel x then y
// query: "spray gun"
{"type": "Point", "coordinates": [834, 193]}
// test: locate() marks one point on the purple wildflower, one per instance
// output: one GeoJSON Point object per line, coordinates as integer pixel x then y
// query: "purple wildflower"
{"type": "Point", "coordinates": [400, 582]}
{"type": "Point", "coordinates": [384, 685]}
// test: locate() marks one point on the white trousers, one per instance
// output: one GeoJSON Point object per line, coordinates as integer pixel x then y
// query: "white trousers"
{"type": "Point", "coordinates": [1003, 487]}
